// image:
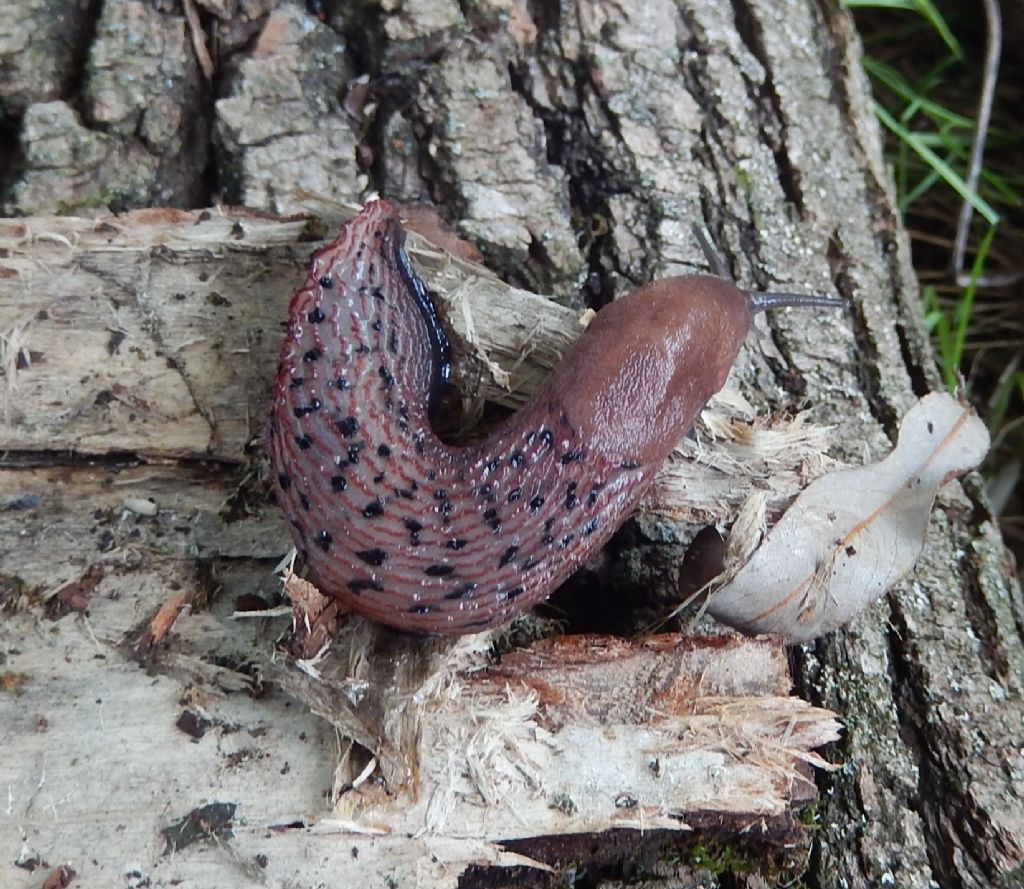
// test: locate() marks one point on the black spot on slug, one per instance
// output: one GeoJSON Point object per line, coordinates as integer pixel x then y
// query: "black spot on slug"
{"type": "Point", "coordinates": [516, 460]}
{"type": "Point", "coordinates": [438, 570]}
{"type": "Point", "coordinates": [326, 282]}
{"type": "Point", "coordinates": [312, 355]}
{"type": "Point", "coordinates": [304, 501]}
{"type": "Point", "coordinates": [590, 527]}
{"type": "Point", "coordinates": [360, 584]}
{"type": "Point", "coordinates": [570, 495]}
{"type": "Point", "coordinates": [515, 494]}
{"type": "Point", "coordinates": [302, 410]}
{"type": "Point", "coordinates": [304, 441]}
{"type": "Point", "coordinates": [378, 325]}
{"type": "Point", "coordinates": [514, 593]}
{"type": "Point", "coordinates": [374, 556]}
{"type": "Point", "coordinates": [387, 380]}
{"type": "Point", "coordinates": [412, 526]}
{"type": "Point", "coordinates": [462, 591]}
{"type": "Point", "coordinates": [456, 543]}
{"type": "Point", "coordinates": [492, 520]}
{"type": "Point", "coordinates": [571, 457]}
{"type": "Point", "coordinates": [492, 465]}
{"type": "Point", "coordinates": [373, 508]}
{"type": "Point", "coordinates": [284, 481]}
{"type": "Point", "coordinates": [629, 464]}
{"type": "Point", "coordinates": [353, 453]}
{"type": "Point", "coordinates": [565, 541]}
{"type": "Point", "coordinates": [323, 537]}
{"type": "Point", "coordinates": [338, 483]}
{"type": "Point", "coordinates": [341, 383]}
{"type": "Point", "coordinates": [440, 494]}
{"type": "Point", "coordinates": [422, 609]}
{"type": "Point", "coordinates": [316, 316]}
{"type": "Point", "coordinates": [393, 341]}
{"type": "Point", "coordinates": [383, 451]}
{"type": "Point", "coordinates": [378, 478]}
{"type": "Point", "coordinates": [296, 382]}
{"type": "Point", "coordinates": [508, 556]}
{"type": "Point", "coordinates": [546, 437]}
{"type": "Point", "coordinates": [536, 503]}
{"type": "Point", "coordinates": [348, 426]}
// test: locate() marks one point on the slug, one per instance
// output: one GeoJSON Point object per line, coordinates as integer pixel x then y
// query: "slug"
{"type": "Point", "coordinates": [434, 538]}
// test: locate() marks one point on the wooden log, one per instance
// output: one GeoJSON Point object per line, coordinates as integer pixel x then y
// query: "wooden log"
{"type": "Point", "coordinates": [105, 758]}
{"type": "Point", "coordinates": [436, 740]}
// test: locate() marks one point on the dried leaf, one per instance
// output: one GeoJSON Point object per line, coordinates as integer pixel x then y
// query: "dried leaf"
{"type": "Point", "coordinates": [852, 534]}
{"type": "Point", "coordinates": [212, 821]}
{"type": "Point", "coordinates": [160, 625]}
{"type": "Point", "coordinates": [59, 878]}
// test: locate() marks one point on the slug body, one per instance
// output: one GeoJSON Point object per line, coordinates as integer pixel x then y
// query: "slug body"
{"type": "Point", "coordinates": [428, 537]}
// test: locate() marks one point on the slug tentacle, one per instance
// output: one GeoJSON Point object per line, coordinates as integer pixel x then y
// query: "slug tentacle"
{"type": "Point", "coordinates": [429, 537]}
{"type": "Point", "coordinates": [764, 301]}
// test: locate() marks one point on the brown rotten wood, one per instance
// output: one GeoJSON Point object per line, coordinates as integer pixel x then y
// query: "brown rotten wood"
{"type": "Point", "coordinates": [573, 143]}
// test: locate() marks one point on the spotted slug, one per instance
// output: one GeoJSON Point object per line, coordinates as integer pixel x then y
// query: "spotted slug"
{"type": "Point", "coordinates": [435, 538]}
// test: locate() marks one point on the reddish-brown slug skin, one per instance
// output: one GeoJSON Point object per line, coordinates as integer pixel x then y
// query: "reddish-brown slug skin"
{"type": "Point", "coordinates": [429, 537]}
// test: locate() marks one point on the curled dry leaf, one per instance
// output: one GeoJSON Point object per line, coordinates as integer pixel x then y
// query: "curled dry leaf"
{"type": "Point", "coordinates": [852, 534]}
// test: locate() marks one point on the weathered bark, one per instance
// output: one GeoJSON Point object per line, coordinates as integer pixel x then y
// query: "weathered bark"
{"type": "Point", "coordinates": [575, 145]}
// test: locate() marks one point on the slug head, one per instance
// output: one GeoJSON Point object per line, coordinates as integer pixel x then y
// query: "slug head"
{"type": "Point", "coordinates": [647, 364]}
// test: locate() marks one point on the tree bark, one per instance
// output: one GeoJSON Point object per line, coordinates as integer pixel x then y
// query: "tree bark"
{"type": "Point", "coordinates": [574, 145]}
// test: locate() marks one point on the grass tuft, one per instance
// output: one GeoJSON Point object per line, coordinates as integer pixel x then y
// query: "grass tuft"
{"type": "Point", "coordinates": [928, 63]}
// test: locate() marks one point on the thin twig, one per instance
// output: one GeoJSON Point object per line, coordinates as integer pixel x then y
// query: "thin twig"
{"type": "Point", "coordinates": [993, 46]}
{"type": "Point", "coordinates": [195, 27]}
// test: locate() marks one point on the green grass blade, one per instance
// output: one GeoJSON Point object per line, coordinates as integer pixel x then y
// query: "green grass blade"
{"type": "Point", "coordinates": [925, 9]}
{"type": "Point", "coordinates": [966, 303]}
{"type": "Point", "coordinates": [897, 83]}
{"type": "Point", "coordinates": [949, 175]}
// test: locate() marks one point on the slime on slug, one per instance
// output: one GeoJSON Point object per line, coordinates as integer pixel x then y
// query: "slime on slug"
{"type": "Point", "coordinates": [435, 538]}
